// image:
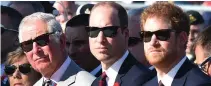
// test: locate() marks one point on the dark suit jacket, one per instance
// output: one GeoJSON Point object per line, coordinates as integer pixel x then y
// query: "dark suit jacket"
{"type": "Point", "coordinates": [188, 75]}
{"type": "Point", "coordinates": [131, 73]}
{"type": "Point", "coordinates": [98, 73]}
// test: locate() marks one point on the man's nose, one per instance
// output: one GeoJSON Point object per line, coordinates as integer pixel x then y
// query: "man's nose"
{"type": "Point", "coordinates": [100, 37]}
{"type": "Point", "coordinates": [17, 74]}
{"type": "Point", "coordinates": [154, 41]}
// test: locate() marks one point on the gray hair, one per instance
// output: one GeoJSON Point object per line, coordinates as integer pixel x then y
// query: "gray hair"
{"type": "Point", "coordinates": [38, 7]}
{"type": "Point", "coordinates": [53, 26]}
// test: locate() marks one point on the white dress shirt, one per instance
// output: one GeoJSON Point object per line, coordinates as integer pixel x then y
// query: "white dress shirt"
{"type": "Point", "coordinates": [168, 78]}
{"type": "Point", "coordinates": [58, 74]}
{"type": "Point", "coordinates": [112, 71]}
{"type": "Point", "coordinates": [151, 67]}
{"type": "Point", "coordinates": [96, 70]}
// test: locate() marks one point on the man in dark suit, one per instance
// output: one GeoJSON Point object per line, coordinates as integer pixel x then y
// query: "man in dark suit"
{"type": "Point", "coordinates": [108, 39]}
{"type": "Point", "coordinates": [135, 43]}
{"type": "Point", "coordinates": [164, 32]}
{"type": "Point", "coordinates": [77, 44]}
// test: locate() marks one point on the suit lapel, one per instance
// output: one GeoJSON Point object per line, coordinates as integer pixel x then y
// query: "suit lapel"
{"type": "Point", "coordinates": [152, 82]}
{"type": "Point", "coordinates": [72, 69]}
{"type": "Point", "coordinates": [96, 82]}
{"type": "Point", "coordinates": [155, 82]}
{"type": "Point", "coordinates": [181, 76]}
{"type": "Point", "coordinates": [126, 66]}
{"type": "Point", "coordinates": [98, 73]}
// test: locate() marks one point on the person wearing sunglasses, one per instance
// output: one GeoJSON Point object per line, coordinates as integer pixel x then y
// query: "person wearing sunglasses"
{"type": "Point", "coordinates": [202, 50]}
{"type": "Point", "coordinates": [135, 43]}
{"type": "Point", "coordinates": [10, 20]}
{"type": "Point", "coordinates": [164, 28]}
{"type": "Point", "coordinates": [43, 42]}
{"type": "Point", "coordinates": [77, 44]}
{"type": "Point", "coordinates": [18, 69]}
{"type": "Point", "coordinates": [9, 41]}
{"type": "Point", "coordinates": [108, 40]}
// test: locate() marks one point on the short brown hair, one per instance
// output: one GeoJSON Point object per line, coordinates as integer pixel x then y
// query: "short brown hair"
{"type": "Point", "coordinates": [204, 40]}
{"type": "Point", "coordinates": [15, 56]}
{"type": "Point", "coordinates": [122, 13]}
{"type": "Point", "coordinates": [165, 10]}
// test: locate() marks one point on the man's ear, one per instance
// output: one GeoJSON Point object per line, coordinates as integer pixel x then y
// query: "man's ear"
{"type": "Point", "coordinates": [126, 32]}
{"type": "Point", "coordinates": [126, 35]}
{"type": "Point", "coordinates": [62, 41]}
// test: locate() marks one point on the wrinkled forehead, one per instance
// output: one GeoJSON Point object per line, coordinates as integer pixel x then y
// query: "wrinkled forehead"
{"type": "Point", "coordinates": [32, 29]}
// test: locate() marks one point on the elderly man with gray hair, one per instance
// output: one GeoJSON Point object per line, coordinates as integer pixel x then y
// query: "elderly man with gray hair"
{"type": "Point", "coordinates": [43, 42]}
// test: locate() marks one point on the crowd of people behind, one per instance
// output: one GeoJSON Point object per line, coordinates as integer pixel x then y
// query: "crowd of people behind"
{"type": "Point", "coordinates": [103, 44]}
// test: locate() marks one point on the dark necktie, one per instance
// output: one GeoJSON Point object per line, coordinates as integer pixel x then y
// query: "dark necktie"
{"type": "Point", "coordinates": [160, 83]}
{"type": "Point", "coordinates": [47, 82]}
{"type": "Point", "coordinates": [102, 81]}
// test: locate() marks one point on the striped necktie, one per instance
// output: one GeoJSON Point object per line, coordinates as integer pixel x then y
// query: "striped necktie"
{"type": "Point", "coordinates": [102, 81]}
{"type": "Point", "coordinates": [47, 82]}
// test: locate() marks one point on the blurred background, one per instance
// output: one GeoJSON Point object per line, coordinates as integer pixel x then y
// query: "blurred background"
{"type": "Point", "coordinates": [186, 5]}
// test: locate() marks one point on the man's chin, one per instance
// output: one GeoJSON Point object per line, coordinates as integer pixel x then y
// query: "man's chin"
{"type": "Point", "coordinates": [155, 59]}
{"type": "Point", "coordinates": [43, 66]}
{"type": "Point", "coordinates": [102, 57]}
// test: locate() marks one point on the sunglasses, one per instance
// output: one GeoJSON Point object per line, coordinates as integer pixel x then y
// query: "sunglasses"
{"type": "Point", "coordinates": [202, 66]}
{"type": "Point", "coordinates": [41, 40]}
{"type": "Point", "coordinates": [24, 69]}
{"type": "Point", "coordinates": [133, 41]}
{"type": "Point", "coordinates": [109, 31]}
{"type": "Point", "coordinates": [161, 35]}
{"type": "Point", "coordinates": [3, 29]}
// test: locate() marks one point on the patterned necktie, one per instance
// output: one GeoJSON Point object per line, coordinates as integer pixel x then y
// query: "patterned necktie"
{"type": "Point", "coordinates": [102, 81]}
{"type": "Point", "coordinates": [47, 82]}
{"type": "Point", "coordinates": [160, 83]}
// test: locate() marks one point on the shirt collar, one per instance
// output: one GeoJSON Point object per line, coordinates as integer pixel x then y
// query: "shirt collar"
{"type": "Point", "coordinates": [58, 74]}
{"type": "Point", "coordinates": [169, 77]}
{"type": "Point", "coordinates": [114, 69]}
